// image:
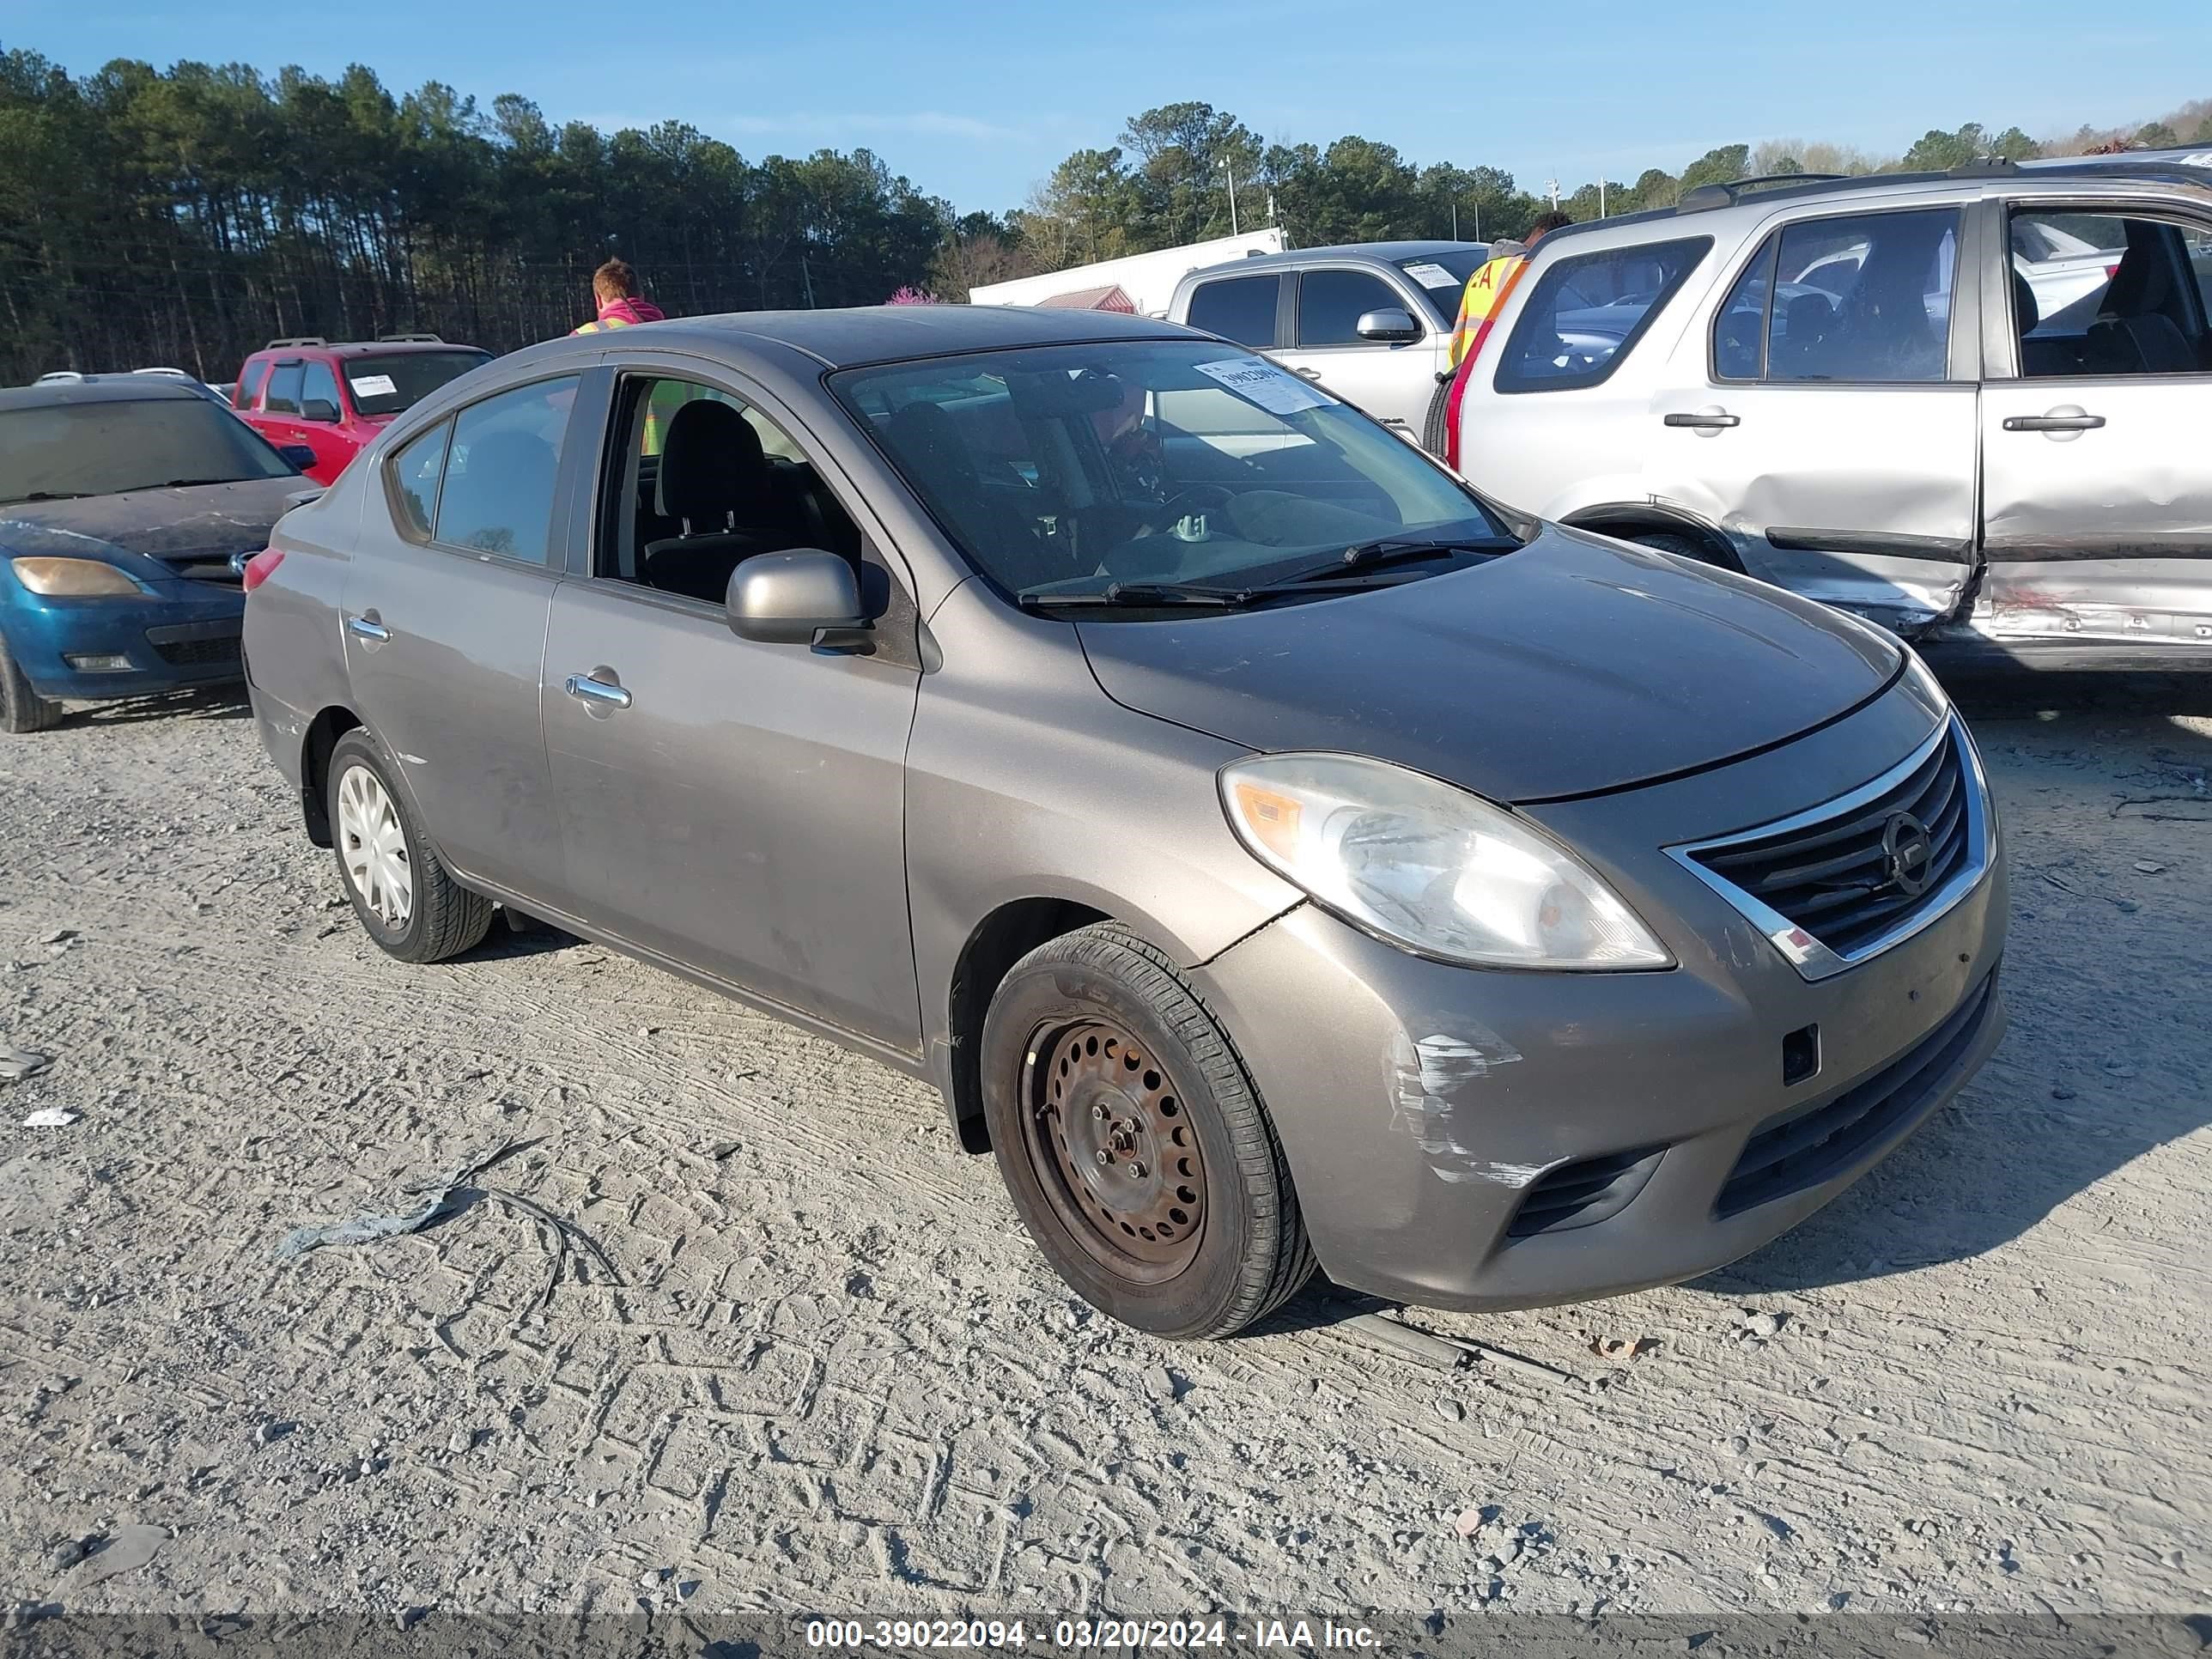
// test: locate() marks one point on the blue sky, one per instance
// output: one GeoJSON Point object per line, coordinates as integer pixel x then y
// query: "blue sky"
{"type": "Point", "coordinates": [975, 99]}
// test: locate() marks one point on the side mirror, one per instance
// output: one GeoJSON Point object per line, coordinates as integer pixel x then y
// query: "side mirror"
{"type": "Point", "coordinates": [1391, 323]}
{"type": "Point", "coordinates": [298, 457]}
{"type": "Point", "coordinates": [318, 409]}
{"type": "Point", "coordinates": [806, 597]}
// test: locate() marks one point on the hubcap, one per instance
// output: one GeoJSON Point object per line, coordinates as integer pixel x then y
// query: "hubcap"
{"type": "Point", "coordinates": [1114, 1149]}
{"type": "Point", "coordinates": [374, 847]}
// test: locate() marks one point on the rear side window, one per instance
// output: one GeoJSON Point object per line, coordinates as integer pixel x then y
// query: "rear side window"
{"type": "Point", "coordinates": [1861, 299]}
{"type": "Point", "coordinates": [1588, 310]}
{"type": "Point", "coordinates": [416, 471]}
{"type": "Point", "coordinates": [283, 391]}
{"type": "Point", "coordinates": [500, 469]}
{"type": "Point", "coordinates": [1332, 302]}
{"type": "Point", "coordinates": [1239, 308]}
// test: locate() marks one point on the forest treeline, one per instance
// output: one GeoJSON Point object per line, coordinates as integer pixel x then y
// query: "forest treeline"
{"type": "Point", "coordinates": [185, 216]}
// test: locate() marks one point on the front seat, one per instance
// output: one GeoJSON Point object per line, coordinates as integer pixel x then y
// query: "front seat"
{"type": "Point", "coordinates": [715, 483]}
{"type": "Point", "coordinates": [2148, 344]}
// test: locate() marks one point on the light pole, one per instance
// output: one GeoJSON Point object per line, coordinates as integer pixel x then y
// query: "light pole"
{"type": "Point", "coordinates": [1229, 166]}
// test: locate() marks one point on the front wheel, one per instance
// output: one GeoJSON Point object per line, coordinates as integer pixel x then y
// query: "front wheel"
{"type": "Point", "coordinates": [23, 711]}
{"type": "Point", "coordinates": [1135, 1146]}
{"type": "Point", "coordinates": [400, 888]}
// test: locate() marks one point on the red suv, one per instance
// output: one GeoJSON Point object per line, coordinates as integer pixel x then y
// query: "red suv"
{"type": "Point", "coordinates": [335, 399]}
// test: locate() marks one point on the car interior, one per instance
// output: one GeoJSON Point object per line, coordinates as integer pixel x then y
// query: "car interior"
{"type": "Point", "coordinates": [700, 493]}
{"type": "Point", "coordinates": [2144, 312]}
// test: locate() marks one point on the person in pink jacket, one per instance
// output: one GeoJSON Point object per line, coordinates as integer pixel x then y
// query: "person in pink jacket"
{"type": "Point", "coordinates": [614, 285]}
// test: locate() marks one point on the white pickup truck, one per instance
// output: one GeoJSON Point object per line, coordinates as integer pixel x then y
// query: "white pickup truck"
{"type": "Point", "coordinates": [1370, 322]}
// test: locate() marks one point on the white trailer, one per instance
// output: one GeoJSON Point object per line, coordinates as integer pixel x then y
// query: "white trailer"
{"type": "Point", "coordinates": [1148, 279]}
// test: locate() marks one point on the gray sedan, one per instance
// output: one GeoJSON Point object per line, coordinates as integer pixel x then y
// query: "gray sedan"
{"type": "Point", "coordinates": [1272, 850]}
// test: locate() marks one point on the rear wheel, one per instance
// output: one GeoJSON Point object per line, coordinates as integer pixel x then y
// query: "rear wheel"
{"type": "Point", "coordinates": [1432, 428]}
{"type": "Point", "coordinates": [1133, 1144]}
{"type": "Point", "coordinates": [22, 710]}
{"type": "Point", "coordinates": [399, 887]}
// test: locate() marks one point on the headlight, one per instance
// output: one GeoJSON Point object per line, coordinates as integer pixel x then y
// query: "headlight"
{"type": "Point", "coordinates": [74, 578]}
{"type": "Point", "coordinates": [1429, 866]}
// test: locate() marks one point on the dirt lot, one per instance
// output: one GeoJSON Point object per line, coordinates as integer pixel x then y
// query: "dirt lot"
{"type": "Point", "coordinates": [834, 1373]}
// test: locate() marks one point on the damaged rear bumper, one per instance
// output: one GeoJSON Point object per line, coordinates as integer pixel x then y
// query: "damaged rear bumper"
{"type": "Point", "coordinates": [1479, 1139]}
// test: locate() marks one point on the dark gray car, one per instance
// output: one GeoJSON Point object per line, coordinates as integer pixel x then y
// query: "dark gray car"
{"type": "Point", "coordinates": [1272, 850]}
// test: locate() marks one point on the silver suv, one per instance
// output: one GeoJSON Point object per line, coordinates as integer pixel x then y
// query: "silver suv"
{"type": "Point", "coordinates": [1969, 405]}
{"type": "Point", "coordinates": [1371, 321]}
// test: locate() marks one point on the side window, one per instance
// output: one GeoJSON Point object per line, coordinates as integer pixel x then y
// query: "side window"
{"type": "Point", "coordinates": [1239, 308]}
{"type": "Point", "coordinates": [506, 455]}
{"type": "Point", "coordinates": [701, 482]}
{"type": "Point", "coordinates": [320, 386]}
{"type": "Point", "coordinates": [250, 379]}
{"type": "Point", "coordinates": [1332, 302]}
{"type": "Point", "coordinates": [2109, 294]}
{"type": "Point", "coordinates": [416, 471]}
{"type": "Point", "coordinates": [1587, 311]}
{"type": "Point", "coordinates": [283, 391]}
{"type": "Point", "coordinates": [1866, 298]}
{"type": "Point", "coordinates": [1740, 328]}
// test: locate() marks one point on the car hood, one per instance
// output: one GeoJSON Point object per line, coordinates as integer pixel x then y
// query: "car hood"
{"type": "Point", "coordinates": [200, 523]}
{"type": "Point", "coordinates": [1576, 665]}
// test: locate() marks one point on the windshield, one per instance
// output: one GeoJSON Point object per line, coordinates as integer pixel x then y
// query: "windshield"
{"type": "Point", "coordinates": [1442, 277]}
{"type": "Point", "coordinates": [1074, 468]}
{"type": "Point", "coordinates": [105, 448]}
{"type": "Point", "coordinates": [390, 381]}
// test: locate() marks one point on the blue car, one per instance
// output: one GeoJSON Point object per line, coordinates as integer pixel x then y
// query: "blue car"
{"type": "Point", "coordinates": [129, 505]}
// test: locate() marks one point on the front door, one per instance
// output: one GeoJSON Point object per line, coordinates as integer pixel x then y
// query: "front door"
{"type": "Point", "coordinates": [1392, 380]}
{"type": "Point", "coordinates": [734, 807]}
{"type": "Point", "coordinates": [445, 629]}
{"type": "Point", "coordinates": [1833, 427]}
{"type": "Point", "coordinates": [2097, 491]}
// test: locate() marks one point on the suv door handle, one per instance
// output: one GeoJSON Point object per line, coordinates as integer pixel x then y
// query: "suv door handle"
{"type": "Point", "coordinates": [585, 688]}
{"type": "Point", "coordinates": [2054, 421]}
{"type": "Point", "coordinates": [1705, 420]}
{"type": "Point", "coordinates": [1307, 374]}
{"type": "Point", "coordinates": [368, 627]}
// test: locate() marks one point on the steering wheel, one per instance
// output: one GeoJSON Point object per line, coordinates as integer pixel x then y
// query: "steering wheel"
{"type": "Point", "coordinates": [1191, 498]}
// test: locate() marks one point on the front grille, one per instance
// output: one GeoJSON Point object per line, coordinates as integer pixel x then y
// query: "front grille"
{"type": "Point", "coordinates": [198, 654]}
{"type": "Point", "coordinates": [1833, 876]}
{"type": "Point", "coordinates": [1582, 1194]}
{"type": "Point", "coordinates": [1806, 1146]}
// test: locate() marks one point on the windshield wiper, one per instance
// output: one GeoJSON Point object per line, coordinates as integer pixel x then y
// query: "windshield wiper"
{"type": "Point", "coordinates": [1134, 595]}
{"type": "Point", "coordinates": [46, 495]}
{"type": "Point", "coordinates": [180, 484]}
{"type": "Point", "coordinates": [1363, 556]}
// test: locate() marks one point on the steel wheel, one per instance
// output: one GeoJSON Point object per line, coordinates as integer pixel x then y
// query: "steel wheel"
{"type": "Point", "coordinates": [1112, 1148]}
{"type": "Point", "coordinates": [373, 848]}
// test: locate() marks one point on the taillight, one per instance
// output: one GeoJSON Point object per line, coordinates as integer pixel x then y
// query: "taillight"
{"type": "Point", "coordinates": [2110, 271]}
{"type": "Point", "coordinates": [1452, 398]}
{"type": "Point", "coordinates": [261, 566]}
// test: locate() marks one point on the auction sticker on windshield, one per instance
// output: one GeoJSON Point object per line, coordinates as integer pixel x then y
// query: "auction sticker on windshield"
{"type": "Point", "coordinates": [373, 386]}
{"type": "Point", "coordinates": [1275, 390]}
{"type": "Point", "coordinates": [1432, 275]}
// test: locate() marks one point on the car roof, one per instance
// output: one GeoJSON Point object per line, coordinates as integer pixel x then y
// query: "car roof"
{"type": "Point", "coordinates": [1382, 253]}
{"type": "Point", "coordinates": [2184, 165]}
{"type": "Point", "coordinates": [99, 389]}
{"type": "Point", "coordinates": [880, 334]}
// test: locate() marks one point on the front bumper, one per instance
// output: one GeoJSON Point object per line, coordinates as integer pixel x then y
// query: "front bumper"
{"type": "Point", "coordinates": [1479, 1140]}
{"type": "Point", "coordinates": [188, 636]}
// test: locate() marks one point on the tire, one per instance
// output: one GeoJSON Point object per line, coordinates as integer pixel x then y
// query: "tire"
{"type": "Point", "coordinates": [23, 711]}
{"type": "Point", "coordinates": [1683, 546]}
{"type": "Point", "coordinates": [1433, 436]}
{"type": "Point", "coordinates": [398, 886]}
{"type": "Point", "coordinates": [1096, 1052]}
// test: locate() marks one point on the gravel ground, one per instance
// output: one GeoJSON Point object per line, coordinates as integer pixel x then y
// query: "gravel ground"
{"type": "Point", "coordinates": [833, 1373]}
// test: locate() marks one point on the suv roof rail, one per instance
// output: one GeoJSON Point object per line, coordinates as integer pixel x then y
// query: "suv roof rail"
{"type": "Point", "coordinates": [409, 339]}
{"type": "Point", "coordinates": [1701, 197]}
{"type": "Point", "coordinates": [295, 340]}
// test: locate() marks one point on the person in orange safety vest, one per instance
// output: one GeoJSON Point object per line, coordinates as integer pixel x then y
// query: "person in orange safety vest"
{"type": "Point", "coordinates": [1487, 286]}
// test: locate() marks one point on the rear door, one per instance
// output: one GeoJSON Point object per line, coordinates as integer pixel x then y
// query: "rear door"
{"type": "Point", "coordinates": [1393, 380]}
{"type": "Point", "coordinates": [735, 806]}
{"type": "Point", "coordinates": [2097, 514]}
{"type": "Point", "coordinates": [445, 615]}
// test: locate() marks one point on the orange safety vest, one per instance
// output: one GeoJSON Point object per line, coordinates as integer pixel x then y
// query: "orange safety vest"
{"type": "Point", "coordinates": [1484, 290]}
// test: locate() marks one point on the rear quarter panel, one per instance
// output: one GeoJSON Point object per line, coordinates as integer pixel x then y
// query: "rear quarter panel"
{"type": "Point", "coordinates": [294, 652]}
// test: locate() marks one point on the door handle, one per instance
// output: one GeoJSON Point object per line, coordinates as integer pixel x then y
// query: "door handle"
{"type": "Point", "coordinates": [1705, 420]}
{"type": "Point", "coordinates": [585, 688]}
{"type": "Point", "coordinates": [368, 627]}
{"type": "Point", "coordinates": [1307, 374]}
{"type": "Point", "coordinates": [2053, 422]}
